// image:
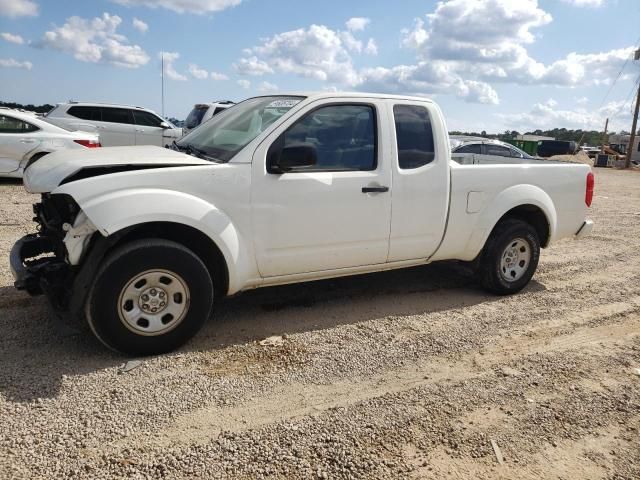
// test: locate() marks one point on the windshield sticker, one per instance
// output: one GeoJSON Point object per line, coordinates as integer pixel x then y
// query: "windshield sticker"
{"type": "Point", "coordinates": [284, 103]}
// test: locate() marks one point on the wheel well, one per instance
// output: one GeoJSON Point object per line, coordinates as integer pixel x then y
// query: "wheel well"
{"type": "Point", "coordinates": [35, 157]}
{"type": "Point", "coordinates": [193, 239]}
{"type": "Point", "coordinates": [535, 217]}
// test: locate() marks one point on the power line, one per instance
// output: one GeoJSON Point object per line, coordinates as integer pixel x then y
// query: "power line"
{"type": "Point", "coordinates": [626, 62]}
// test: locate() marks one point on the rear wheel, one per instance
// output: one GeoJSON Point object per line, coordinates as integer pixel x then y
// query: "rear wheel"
{"type": "Point", "coordinates": [149, 297]}
{"type": "Point", "coordinates": [510, 257]}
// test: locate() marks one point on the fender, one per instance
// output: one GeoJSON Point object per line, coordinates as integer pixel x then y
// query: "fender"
{"type": "Point", "coordinates": [115, 211]}
{"type": "Point", "coordinates": [506, 200]}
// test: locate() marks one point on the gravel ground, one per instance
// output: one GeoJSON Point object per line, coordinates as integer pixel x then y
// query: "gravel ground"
{"type": "Point", "coordinates": [405, 374]}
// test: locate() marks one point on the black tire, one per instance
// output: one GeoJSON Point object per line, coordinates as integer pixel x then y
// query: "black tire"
{"type": "Point", "coordinates": [117, 272]}
{"type": "Point", "coordinates": [491, 271]}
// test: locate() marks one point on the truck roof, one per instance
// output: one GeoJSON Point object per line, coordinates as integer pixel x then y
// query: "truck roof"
{"type": "Point", "coordinates": [316, 95]}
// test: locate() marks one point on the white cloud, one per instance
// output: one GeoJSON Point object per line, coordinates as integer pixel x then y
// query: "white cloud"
{"type": "Point", "coordinates": [18, 8]}
{"type": "Point", "coordinates": [10, 37]}
{"type": "Point", "coordinates": [546, 115]}
{"type": "Point", "coordinates": [316, 52]}
{"type": "Point", "coordinates": [182, 6]}
{"type": "Point", "coordinates": [426, 78]}
{"type": "Point", "coordinates": [485, 41]}
{"type": "Point", "coordinates": [95, 40]}
{"type": "Point", "coordinates": [198, 72]}
{"type": "Point", "coordinates": [371, 48]}
{"type": "Point", "coordinates": [246, 84]}
{"type": "Point", "coordinates": [169, 69]}
{"type": "Point", "coordinates": [585, 3]}
{"type": "Point", "coordinates": [139, 25]}
{"type": "Point", "coordinates": [252, 66]}
{"type": "Point", "coordinates": [350, 42]}
{"type": "Point", "coordinates": [218, 76]}
{"type": "Point", "coordinates": [13, 63]}
{"type": "Point", "coordinates": [267, 87]}
{"type": "Point", "coordinates": [357, 24]}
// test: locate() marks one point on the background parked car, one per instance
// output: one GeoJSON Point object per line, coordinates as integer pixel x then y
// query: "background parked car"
{"type": "Point", "coordinates": [475, 149]}
{"type": "Point", "coordinates": [204, 111]}
{"type": "Point", "coordinates": [549, 148]}
{"type": "Point", "coordinates": [25, 138]}
{"type": "Point", "coordinates": [117, 125]}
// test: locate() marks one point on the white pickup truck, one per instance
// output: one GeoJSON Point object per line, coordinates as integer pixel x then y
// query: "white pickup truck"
{"type": "Point", "coordinates": [141, 241]}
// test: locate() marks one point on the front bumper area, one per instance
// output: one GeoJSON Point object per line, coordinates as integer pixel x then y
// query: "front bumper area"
{"type": "Point", "coordinates": [34, 272]}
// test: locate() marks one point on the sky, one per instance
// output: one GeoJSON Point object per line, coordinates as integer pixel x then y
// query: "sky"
{"type": "Point", "coordinates": [491, 65]}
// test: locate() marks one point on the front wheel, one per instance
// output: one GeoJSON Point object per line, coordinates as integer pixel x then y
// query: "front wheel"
{"type": "Point", "coordinates": [510, 257]}
{"type": "Point", "coordinates": [149, 297]}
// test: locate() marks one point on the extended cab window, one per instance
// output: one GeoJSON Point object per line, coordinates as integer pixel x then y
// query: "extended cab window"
{"type": "Point", "coordinates": [14, 125]}
{"type": "Point", "coordinates": [414, 136]}
{"type": "Point", "coordinates": [86, 113]}
{"type": "Point", "coordinates": [147, 119]}
{"type": "Point", "coordinates": [344, 137]}
{"type": "Point", "coordinates": [117, 115]}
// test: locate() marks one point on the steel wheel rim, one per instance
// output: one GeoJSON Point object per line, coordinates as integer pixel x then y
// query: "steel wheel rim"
{"type": "Point", "coordinates": [153, 302]}
{"type": "Point", "coordinates": [515, 260]}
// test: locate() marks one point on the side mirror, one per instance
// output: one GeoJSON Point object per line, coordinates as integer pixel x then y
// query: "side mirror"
{"type": "Point", "coordinates": [165, 125]}
{"type": "Point", "coordinates": [297, 156]}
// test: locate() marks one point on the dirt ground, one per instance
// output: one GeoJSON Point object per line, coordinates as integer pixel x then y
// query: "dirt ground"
{"type": "Point", "coordinates": [406, 374]}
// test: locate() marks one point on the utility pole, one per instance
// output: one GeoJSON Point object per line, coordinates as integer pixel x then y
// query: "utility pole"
{"type": "Point", "coordinates": [632, 140]}
{"type": "Point", "coordinates": [604, 136]}
{"type": "Point", "coordinates": [162, 86]}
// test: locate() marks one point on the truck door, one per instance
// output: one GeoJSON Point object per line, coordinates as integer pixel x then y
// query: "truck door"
{"type": "Point", "coordinates": [335, 214]}
{"type": "Point", "coordinates": [420, 180]}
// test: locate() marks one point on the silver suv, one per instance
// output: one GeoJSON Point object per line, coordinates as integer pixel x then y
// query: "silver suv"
{"type": "Point", "coordinates": [204, 111]}
{"type": "Point", "coordinates": [117, 125]}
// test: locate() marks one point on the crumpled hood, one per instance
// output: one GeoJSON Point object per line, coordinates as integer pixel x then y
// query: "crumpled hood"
{"type": "Point", "coordinates": [52, 169]}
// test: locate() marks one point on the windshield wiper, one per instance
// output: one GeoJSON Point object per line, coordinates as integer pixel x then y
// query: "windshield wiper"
{"type": "Point", "coordinates": [194, 152]}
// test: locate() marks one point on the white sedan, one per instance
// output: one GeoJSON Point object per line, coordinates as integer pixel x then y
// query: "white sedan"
{"type": "Point", "coordinates": [25, 138]}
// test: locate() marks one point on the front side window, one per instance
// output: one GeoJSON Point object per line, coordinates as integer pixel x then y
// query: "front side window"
{"type": "Point", "coordinates": [414, 136]}
{"type": "Point", "coordinates": [226, 134]}
{"type": "Point", "coordinates": [14, 125]}
{"type": "Point", "coordinates": [344, 137]}
{"type": "Point", "coordinates": [146, 119]}
{"type": "Point", "coordinates": [497, 150]}
{"type": "Point", "coordinates": [117, 115]}
{"type": "Point", "coordinates": [86, 113]}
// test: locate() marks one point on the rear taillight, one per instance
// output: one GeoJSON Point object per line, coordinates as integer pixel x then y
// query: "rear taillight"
{"type": "Point", "coordinates": [588, 194]}
{"type": "Point", "coordinates": [88, 143]}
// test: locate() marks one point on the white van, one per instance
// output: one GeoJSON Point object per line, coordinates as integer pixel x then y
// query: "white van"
{"type": "Point", "coordinates": [117, 125]}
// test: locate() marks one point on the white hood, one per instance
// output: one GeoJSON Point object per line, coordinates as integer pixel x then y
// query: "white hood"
{"type": "Point", "coordinates": [48, 172]}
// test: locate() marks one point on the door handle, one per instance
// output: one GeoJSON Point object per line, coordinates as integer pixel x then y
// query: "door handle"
{"type": "Point", "coordinates": [27, 140]}
{"type": "Point", "coordinates": [375, 189]}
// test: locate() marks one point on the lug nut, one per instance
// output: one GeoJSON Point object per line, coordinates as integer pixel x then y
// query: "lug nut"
{"type": "Point", "coordinates": [161, 294]}
{"type": "Point", "coordinates": [153, 291]}
{"type": "Point", "coordinates": [154, 309]}
{"type": "Point", "coordinates": [162, 304]}
{"type": "Point", "coordinates": [145, 297]}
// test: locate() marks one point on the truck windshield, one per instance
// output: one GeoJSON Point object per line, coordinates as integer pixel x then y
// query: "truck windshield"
{"type": "Point", "coordinates": [227, 133]}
